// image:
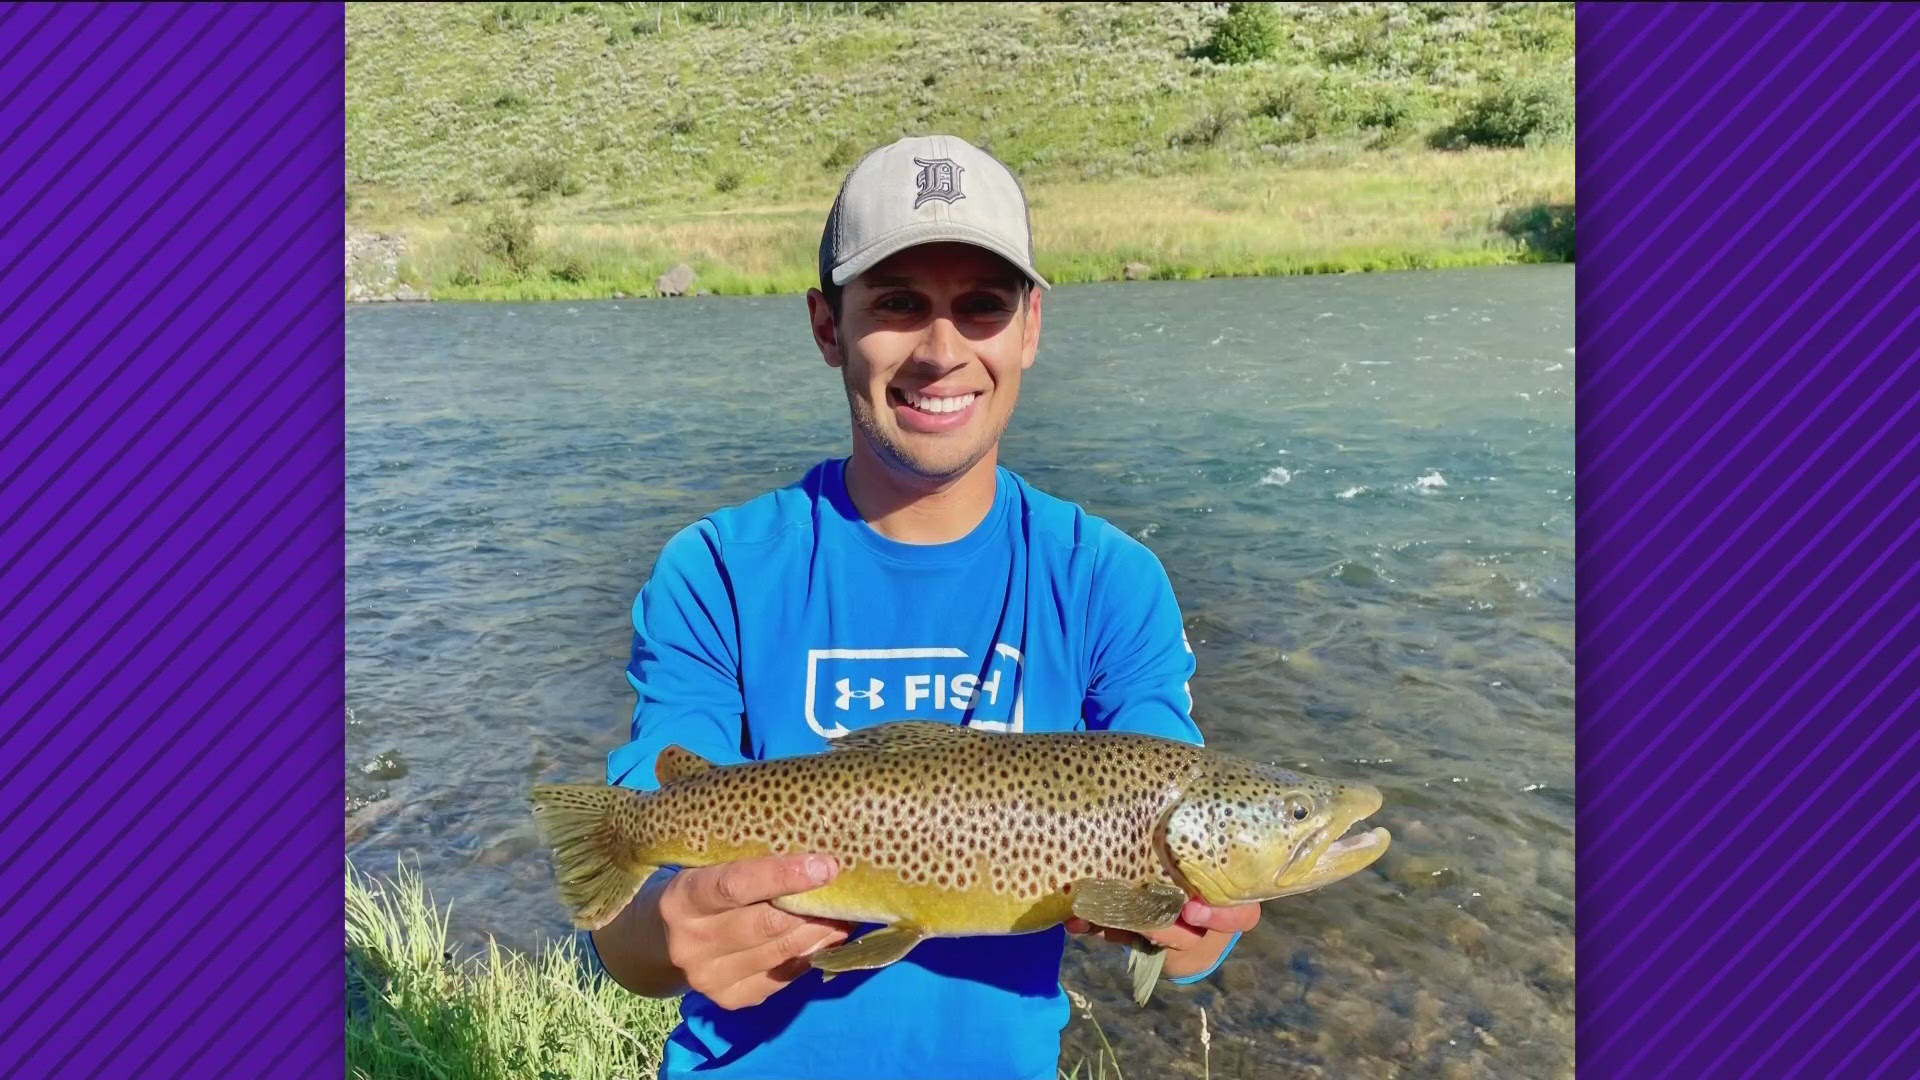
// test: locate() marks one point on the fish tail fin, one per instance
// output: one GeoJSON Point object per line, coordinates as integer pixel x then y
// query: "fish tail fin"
{"type": "Point", "coordinates": [599, 865]}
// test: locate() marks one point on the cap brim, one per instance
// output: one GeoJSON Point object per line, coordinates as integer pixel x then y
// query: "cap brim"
{"type": "Point", "coordinates": [929, 232]}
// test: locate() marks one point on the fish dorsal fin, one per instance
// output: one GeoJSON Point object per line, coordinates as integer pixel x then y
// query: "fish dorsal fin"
{"type": "Point", "coordinates": [902, 735]}
{"type": "Point", "coordinates": [678, 763]}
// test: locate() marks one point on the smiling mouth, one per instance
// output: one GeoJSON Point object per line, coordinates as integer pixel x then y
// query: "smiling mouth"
{"type": "Point", "coordinates": [932, 404]}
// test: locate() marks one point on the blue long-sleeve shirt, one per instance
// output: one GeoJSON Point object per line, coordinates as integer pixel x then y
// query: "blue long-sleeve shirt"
{"type": "Point", "coordinates": [770, 627]}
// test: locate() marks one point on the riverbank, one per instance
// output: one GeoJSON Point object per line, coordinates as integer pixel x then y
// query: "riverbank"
{"type": "Point", "coordinates": [1343, 213]}
{"type": "Point", "coordinates": [572, 151]}
{"type": "Point", "coordinates": [417, 1013]}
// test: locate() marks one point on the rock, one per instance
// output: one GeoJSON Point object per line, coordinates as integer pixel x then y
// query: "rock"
{"type": "Point", "coordinates": [373, 267]}
{"type": "Point", "coordinates": [618, 295]}
{"type": "Point", "coordinates": [675, 282]}
{"type": "Point", "coordinates": [1421, 871]}
{"type": "Point", "coordinates": [1136, 271]}
{"type": "Point", "coordinates": [406, 292]}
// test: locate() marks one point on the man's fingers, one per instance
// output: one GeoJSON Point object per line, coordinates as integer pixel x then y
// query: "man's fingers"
{"type": "Point", "coordinates": [804, 939]}
{"type": "Point", "coordinates": [1178, 936]}
{"type": "Point", "coordinates": [755, 989]}
{"type": "Point", "coordinates": [714, 889]}
{"type": "Point", "coordinates": [1227, 920]}
{"type": "Point", "coordinates": [772, 964]}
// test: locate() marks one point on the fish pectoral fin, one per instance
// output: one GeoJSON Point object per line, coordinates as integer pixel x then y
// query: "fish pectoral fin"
{"type": "Point", "coordinates": [902, 735]}
{"type": "Point", "coordinates": [872, 950]}
{"type": "Point", "coordinates": [1145, 962]}
{"type": "Point", "coordinates": [1123, 905]}
{"type": "Point", "coordinates": [678, 763]}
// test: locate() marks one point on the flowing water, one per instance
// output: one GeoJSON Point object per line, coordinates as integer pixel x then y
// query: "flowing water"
{"type": "Point", "coordinates": [1361, 487]}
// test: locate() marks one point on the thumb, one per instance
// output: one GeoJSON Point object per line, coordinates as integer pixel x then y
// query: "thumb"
{"type": "Point", "coordinates": [715, 889]}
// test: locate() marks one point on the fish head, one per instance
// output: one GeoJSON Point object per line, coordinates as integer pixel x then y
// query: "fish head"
{"type": "Point", "coordinates": [1243, 832]}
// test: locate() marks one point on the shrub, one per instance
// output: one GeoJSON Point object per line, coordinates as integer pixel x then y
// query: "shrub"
{"type": "Point", "coordinates": [508, 237]}
{"type": "Point", "coordinates": [537, 177]}
{"type": "Point", "coordinates": [1249, 32]}
{"type": "Point", "coordinates": [1383, 109]}
{"type": "Point", "coordinates": [1544, 229]}
{"type": "Point", "coordinates": [1205, 131]}
{"type": "Point", "coordinates": [842, 156]}
{"type": "Point", "coordinates": [1525, 113]}
{"type": "Point", "coordinates": [570, 268]}
{"type": "Point", "coordinates": [726, 181]}
{"type": "Point", "coordinates": [1302, 108]}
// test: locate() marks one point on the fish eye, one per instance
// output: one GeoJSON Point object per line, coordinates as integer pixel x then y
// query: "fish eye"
{"type": "Point", "coordinates": [1296, 807]}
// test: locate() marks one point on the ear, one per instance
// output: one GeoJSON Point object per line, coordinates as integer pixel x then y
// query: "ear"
{"type": "Point", "coordinates": [1030, 348]}
{"type": "Point", "coordinates": [826, 336]}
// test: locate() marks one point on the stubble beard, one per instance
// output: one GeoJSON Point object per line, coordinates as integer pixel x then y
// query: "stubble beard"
{"type": "Point", "coordinates": [895, 456]}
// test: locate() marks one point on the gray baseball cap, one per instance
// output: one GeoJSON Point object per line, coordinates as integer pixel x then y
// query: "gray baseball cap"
{"type": "Point", "coordinates": [925, 190]}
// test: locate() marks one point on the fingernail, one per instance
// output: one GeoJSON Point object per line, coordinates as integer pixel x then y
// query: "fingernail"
{"type": "Point", "coordinates": [1196, 913]}
{"type": "Point", "coordinates": [819, 869]}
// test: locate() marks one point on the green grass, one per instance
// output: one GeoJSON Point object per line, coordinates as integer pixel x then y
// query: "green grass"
{"type": "Point", "coordinates": [1364, 141]}
{"type": "Point", "coordinates": [416, 1014]}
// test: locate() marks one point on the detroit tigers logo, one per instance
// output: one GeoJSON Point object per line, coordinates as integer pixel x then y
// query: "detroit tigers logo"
{"type": "Point", "coordinates": [937, 179]}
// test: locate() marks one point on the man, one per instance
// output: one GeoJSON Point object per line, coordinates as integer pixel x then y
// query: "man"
{"type": "Point", "coordinates": [916, 579]}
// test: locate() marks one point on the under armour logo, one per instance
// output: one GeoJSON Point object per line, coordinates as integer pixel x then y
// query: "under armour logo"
{"type": "Point", "coordinates": [937, 179]}
{"type": "Point", "coordinates": [848, 693]}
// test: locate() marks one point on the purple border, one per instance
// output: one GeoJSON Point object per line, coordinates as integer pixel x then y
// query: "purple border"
{"type": "Point", "coordinates": [170, 394]}
{"type": "Point", "coordinates": [171, 477]}
{"type": "Point", "coordinates": [1747, 432]}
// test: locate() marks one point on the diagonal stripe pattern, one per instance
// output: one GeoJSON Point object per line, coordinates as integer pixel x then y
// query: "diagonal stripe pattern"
{"type": "Point", "coordinates": [171, 539]}
{"type": "Point", "coordinates": [1747, 454]}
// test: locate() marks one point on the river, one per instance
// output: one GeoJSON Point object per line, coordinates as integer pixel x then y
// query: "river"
{"type": "Point", "coordinates": [1361, 486]}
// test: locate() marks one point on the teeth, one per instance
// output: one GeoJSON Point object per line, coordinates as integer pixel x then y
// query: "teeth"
{"type": "Point", "coordinates": [938, 404]}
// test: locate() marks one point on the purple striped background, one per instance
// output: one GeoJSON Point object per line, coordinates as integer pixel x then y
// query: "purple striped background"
{"type": "Point", "coordinates": [171, 511]}
{"type": "Point", "coordinates": [171, 540]}
{"type": "Point", "coordinates": [1747, 470]}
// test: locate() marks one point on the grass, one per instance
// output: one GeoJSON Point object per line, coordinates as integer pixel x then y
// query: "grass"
{"type": "Point", "coordinates": [1410, 210]}
{"type": "Point", "coordinates": [637, 136]}
{"type": "Point", "coordinates": [415, 1012]}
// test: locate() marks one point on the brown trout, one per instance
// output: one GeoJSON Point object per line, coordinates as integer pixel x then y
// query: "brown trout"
{"type": "Point", "coordinates": [945, 831]}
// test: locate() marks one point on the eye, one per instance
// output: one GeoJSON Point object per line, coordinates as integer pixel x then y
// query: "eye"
{"type": "Point", "coordinates": [1296, 808]}
{"type": "Point", "coordinates": [985, 305]}
{"type": "Point", "coordinates": [898, 303]}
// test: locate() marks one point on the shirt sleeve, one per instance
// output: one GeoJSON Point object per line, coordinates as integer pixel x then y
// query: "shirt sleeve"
{"type": "Point", "coordinates": [1141, 662]}
{"type": "Point", "coordinates": [685, 669]}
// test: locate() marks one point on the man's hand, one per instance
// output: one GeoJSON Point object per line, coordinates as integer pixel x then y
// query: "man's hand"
{"type": "Point", "coordinates": [1194, 941]}
{"type": "Point", "coordinates": [711, 929]}
{"type": "Point", "coordinates": [728, 942]}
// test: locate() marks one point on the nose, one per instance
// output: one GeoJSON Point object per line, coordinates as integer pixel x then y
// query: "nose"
{"type": "Point", "coordinates": [941, 346]}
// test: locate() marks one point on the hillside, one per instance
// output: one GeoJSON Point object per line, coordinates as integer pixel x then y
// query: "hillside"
{"type": "Point", "coordinates": [565, 149]}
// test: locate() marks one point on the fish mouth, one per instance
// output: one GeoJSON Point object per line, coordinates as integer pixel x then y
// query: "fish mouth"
{"type": "Point", "coordinates": [1342, 858]}
{"type": "Point", "coordinates": [1316, 862]}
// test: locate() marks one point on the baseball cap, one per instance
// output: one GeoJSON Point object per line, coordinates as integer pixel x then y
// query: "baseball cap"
{"type": "Point", "coordinates": [925, 190]}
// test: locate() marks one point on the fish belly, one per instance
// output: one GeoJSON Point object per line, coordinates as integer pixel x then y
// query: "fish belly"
{"type": "Point", "coordinates": [868, 894]}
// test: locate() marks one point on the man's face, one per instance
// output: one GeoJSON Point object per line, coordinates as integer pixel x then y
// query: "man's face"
{"type": "Point", "coordinates": [931, 344]}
